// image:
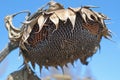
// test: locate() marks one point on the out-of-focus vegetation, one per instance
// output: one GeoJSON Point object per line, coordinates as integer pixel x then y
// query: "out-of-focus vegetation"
{"type": "Point", "coordinates": [24, 74]}
{"type": "Point", "coordinates": [64, 77]}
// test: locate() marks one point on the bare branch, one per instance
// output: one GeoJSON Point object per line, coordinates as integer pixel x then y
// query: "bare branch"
{"type": "Point", "coordinates": [11, 46]}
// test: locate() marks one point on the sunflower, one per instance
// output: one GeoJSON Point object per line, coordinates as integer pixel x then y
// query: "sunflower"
{"type": "Point", "coordinates": [55, 36]}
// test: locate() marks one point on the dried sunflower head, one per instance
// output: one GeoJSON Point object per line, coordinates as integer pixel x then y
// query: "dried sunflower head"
{"type": "Point", "coordinates": [56, 36]}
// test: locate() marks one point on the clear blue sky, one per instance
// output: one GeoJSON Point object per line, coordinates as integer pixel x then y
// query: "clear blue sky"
{"type": "Point", "coordinates": [104, 65]}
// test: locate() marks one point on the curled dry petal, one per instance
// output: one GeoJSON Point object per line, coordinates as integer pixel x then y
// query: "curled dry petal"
{"type": "Point", "coordinates": [62, 14]}
{"type": "Point", "coordinates": [74, 9]}
{"type": "Point", "coordinates": [13, 32]}
{"type": "Point", "coordinates": [72, 17]}
{"type": "Point", "coordinates": [89, 13]}
{"type": "Point", "coordinates": [55, 20]}
{"type": "Point", "coordinates": [41, 21]}
{"type": "Point", "coordinates": [28, 26]}
{"type": "Point", "coordinates": [84, 16]}
{"type": "Point", "coordinates": [66, 14]}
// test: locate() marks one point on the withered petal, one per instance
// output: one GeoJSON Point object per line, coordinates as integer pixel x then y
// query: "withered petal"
{"type": "Point", "coordinates": [89, 13]}
{"type": "Point", "coordinates": [55, 20]}
{"type": "Point", "coordinates": [74, 9]}
{"type": "Point", "coordinates": [72, 17]}
{"type": "Point", "coordinates": [84, 17]}
{"type": "Point", "coordinates": [41, 21]}
{"type": "Point", "coordinates": [62, 14]}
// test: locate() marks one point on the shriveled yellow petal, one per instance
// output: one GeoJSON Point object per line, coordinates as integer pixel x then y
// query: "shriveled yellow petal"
{"type": "Point", "coordinates": [55, 20]}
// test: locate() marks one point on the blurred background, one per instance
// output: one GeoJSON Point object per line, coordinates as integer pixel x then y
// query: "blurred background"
{"type": "Point", "coordinates": [104, 65]}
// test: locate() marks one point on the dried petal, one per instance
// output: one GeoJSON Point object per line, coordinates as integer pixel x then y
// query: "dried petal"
{"type": "Point", "coordinates": [102, 16]}
{"type": "Point", "coordinates": [74, 9]}
{"type": "Point", "coordinates": [55, 20]}
{"type": "Point", "coordinates": [62, 14]}
{"type": "Point", "coordinates": [89, 13]}
{"type": "Point", "coordinates": [29, 29]}
{"type": "Point", "coordinates": [41, 22]}
{"type": "Point", "coordinates": [90, 6]}
{"type": "Point", "coordinates": [84, 17]}
{"type": "Point", "coordinates": [72, 17]}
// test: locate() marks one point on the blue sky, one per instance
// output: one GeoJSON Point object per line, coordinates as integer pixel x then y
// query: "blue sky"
{"type": "Point", "coordinates": [104, 65]}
